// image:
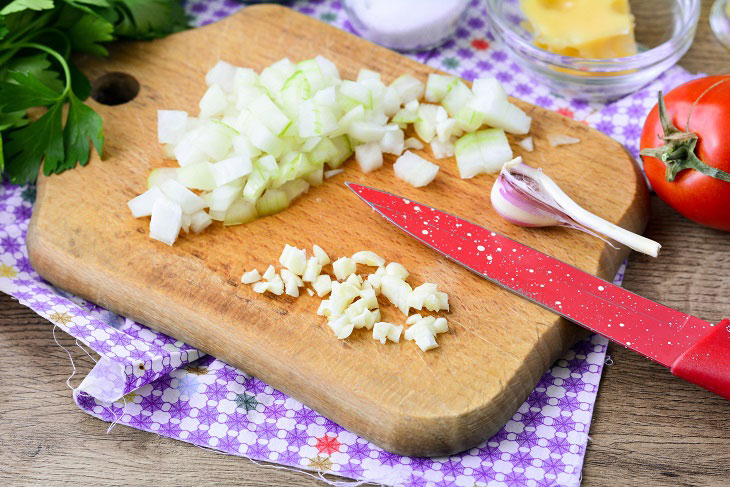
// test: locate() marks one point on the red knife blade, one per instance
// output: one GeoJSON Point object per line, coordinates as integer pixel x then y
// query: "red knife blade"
{"type": "Point", "coordinates": [692, 348]}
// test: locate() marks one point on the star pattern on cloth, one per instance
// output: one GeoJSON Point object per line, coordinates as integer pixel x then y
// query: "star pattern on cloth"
{"type": "Point", "coordinates": [60, 318]}
{"type": "Point", "coordinates": [328, 444]}
{"type": "Point", "coordinates": [246, 401]}
{"type": "Point", "coordinates": [8, 271]}
{"type": "Point", "coordinates": [320, 463]}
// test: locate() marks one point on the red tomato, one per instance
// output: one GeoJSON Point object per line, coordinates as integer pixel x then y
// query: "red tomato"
{"type": "Point", "coordinates": [701, 198]}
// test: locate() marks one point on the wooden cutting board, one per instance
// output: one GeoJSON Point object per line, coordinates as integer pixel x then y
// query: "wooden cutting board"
{"type": "Point", "coordinates": [83, 239]}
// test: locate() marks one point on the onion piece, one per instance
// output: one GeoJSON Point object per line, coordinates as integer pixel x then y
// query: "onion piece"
{"type": "Point", "coordinates": [528, 144]}
{"type": "Point", "coordinates": [188, 201]}
{"type": "Point", "coordinates": [369, 156]}
{"type": "Point", "coordinates": [483, 151]}
{"type": "Point", "coordinates": [557, 140]}
{"type": "Point", "coordinates": [413, 143]}
{"type": "Point", "coordinates": [527, 197]}
{"type": "Point", "coordinates": [442, 150]}
{"type": "Point", "coordinates": [143, 204]}
{"type": "Point", "coordinates": [166, 220]}
{"type": "Point", "coordinates": [415, 170]}
{"type": "Point", "coordinates": [170, 125]}
{"type": "Point", "coordinates": [200, 221]}
{"type": "Point", "coordinates": [158, 176]}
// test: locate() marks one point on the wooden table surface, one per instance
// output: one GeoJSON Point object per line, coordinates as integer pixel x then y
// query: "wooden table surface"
{"type": "Point", "coordinates": [648, 427]}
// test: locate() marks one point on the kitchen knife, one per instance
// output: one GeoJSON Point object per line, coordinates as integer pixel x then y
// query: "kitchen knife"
{"type": "Point", "coordinates": [693, 349]}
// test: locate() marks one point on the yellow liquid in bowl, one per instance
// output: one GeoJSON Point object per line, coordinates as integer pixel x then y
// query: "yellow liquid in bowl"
{"type": "Point", "coordinates": [596, 29]}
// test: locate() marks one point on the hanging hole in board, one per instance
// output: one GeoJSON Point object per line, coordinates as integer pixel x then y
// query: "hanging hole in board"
{"type": "Point", "coordinates": [114, 88]}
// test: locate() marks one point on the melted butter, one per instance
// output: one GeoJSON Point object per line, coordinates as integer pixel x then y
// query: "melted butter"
{"type": "Point", "coordinates": [582, 28]}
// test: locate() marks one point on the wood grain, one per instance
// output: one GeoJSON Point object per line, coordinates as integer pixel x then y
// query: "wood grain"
{"type": "Point", "coordinates": [407, 402]}
{"type": "Point", "coordinates": [649, 428]}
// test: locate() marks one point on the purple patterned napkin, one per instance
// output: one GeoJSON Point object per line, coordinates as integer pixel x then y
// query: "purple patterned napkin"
{"type": "Point", "coordinates": [152, 382]}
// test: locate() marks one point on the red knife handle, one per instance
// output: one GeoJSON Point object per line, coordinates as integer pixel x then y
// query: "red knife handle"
{"type": "Point", "coordinates": [707, 362]}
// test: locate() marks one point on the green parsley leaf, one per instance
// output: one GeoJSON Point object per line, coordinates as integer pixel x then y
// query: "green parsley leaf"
{"type": "Point", "coordinates": [82, 124]}
{"type": "Point", "coordinates": [98, 3]}
{"type": "Point", "coordinates": [26, 148]}
{"type": "Point", "coordinates": [26, 91]}
{"type": "Point", "coordinates": [20, 5]}
{"type": "Point", "coordinates": [148, 19]}
{"type": "Point", "coordinates": [3, 32]}
{"type": "Point", "coordinates": [38, 66]}
{"type": "Point", "coordinates": [13, 120]}
{"type": "Point", "coordinates": [80, 83]}
{"type": "Point", "coordinates": [86, 34]}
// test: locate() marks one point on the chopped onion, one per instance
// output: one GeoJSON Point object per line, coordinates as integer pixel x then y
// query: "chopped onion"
{"type": "Point", "coordinates": [458, 97]}
{"type": "Point", "coordinates": [261, 140]}
{"type": "Point", "coordinates": [438, 86]}
{"type": "Point", "coordinates": [413, 143]}
{"type": "Point", "coordinates": [240, 211]}
{"type": "Point", "coordinates": [221, 74]}
{"type": "Point", "coordinates": [332, 173]}
{"type": "Point", "coordinates": [166, 220]}
{"type": "Point", "coordinates": [199, 221]}
{"type": "Point", "coordinates": [160, 175]}
{"type": "Point", "coordinates": [197, 176]}
{"type": "Point", "coordinates": [171, 125]}
{"type": "Point", "coordinates": [415, 170]}
{"type": "Point", "coordinates": [143, 204]}
{"type": "Point", "coordinates": [491, 101]}
{"type": "Point", "coordinates": [480, 152]}
{"type": "Point", "coordinates": [526, 196]}
{"type": "Point", "coordinates": [408, 87]}
{"type": "Point", "coordinates": [188, 201]}
{"type": "Point", "coordinates": [441, 150]}
{"type": "Point", "coordinates": [214, 101]}
{"type": "Point", "coordinates": [229, 169]}
{"type": "Point", "coordinates": [369, 156]}
{"type": "Point", "coordinates": [392, 142]}
{"type": "Point", "coordinates": [527, 144]}
{"type": "Point", "coordinates": [557, 140]}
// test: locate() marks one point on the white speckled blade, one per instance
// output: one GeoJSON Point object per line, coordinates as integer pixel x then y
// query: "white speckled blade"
{"type": "Point", "coordinates": [656, 331]}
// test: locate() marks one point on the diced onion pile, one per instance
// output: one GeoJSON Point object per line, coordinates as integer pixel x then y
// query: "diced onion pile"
{"type": "Point", "coordinates": [353, 298]}
{"type": "Point", "coordinates": [261, 140]}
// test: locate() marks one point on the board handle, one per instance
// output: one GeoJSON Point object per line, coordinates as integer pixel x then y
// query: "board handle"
{"type": "Point", "coordinates": [707, 362]}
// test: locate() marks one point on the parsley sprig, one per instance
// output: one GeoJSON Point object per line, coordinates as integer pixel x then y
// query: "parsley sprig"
{"type": "Point", "coordinates": [38, 77]}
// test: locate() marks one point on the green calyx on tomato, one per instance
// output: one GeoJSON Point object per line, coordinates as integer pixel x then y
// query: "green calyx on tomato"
{"type": "Point", "coordinates": [678, 152]}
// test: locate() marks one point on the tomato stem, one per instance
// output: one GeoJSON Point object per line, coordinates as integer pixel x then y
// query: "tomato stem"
{"type": "Point", "coordinates": [678, 151]}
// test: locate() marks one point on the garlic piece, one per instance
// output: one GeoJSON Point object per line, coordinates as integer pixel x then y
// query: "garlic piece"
{"type": "Point", "coordinates": [343, 267]}
{"type": "Point", "coordinates": [251, 276]}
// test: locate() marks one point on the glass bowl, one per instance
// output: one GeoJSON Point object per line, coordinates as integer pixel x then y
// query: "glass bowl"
{"type": "Point", "coordinates": [720, 21]}
{"type": "Point", "coordinates": [664, 30]}
{"type": "Point", "coordinates": [397, 24]}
